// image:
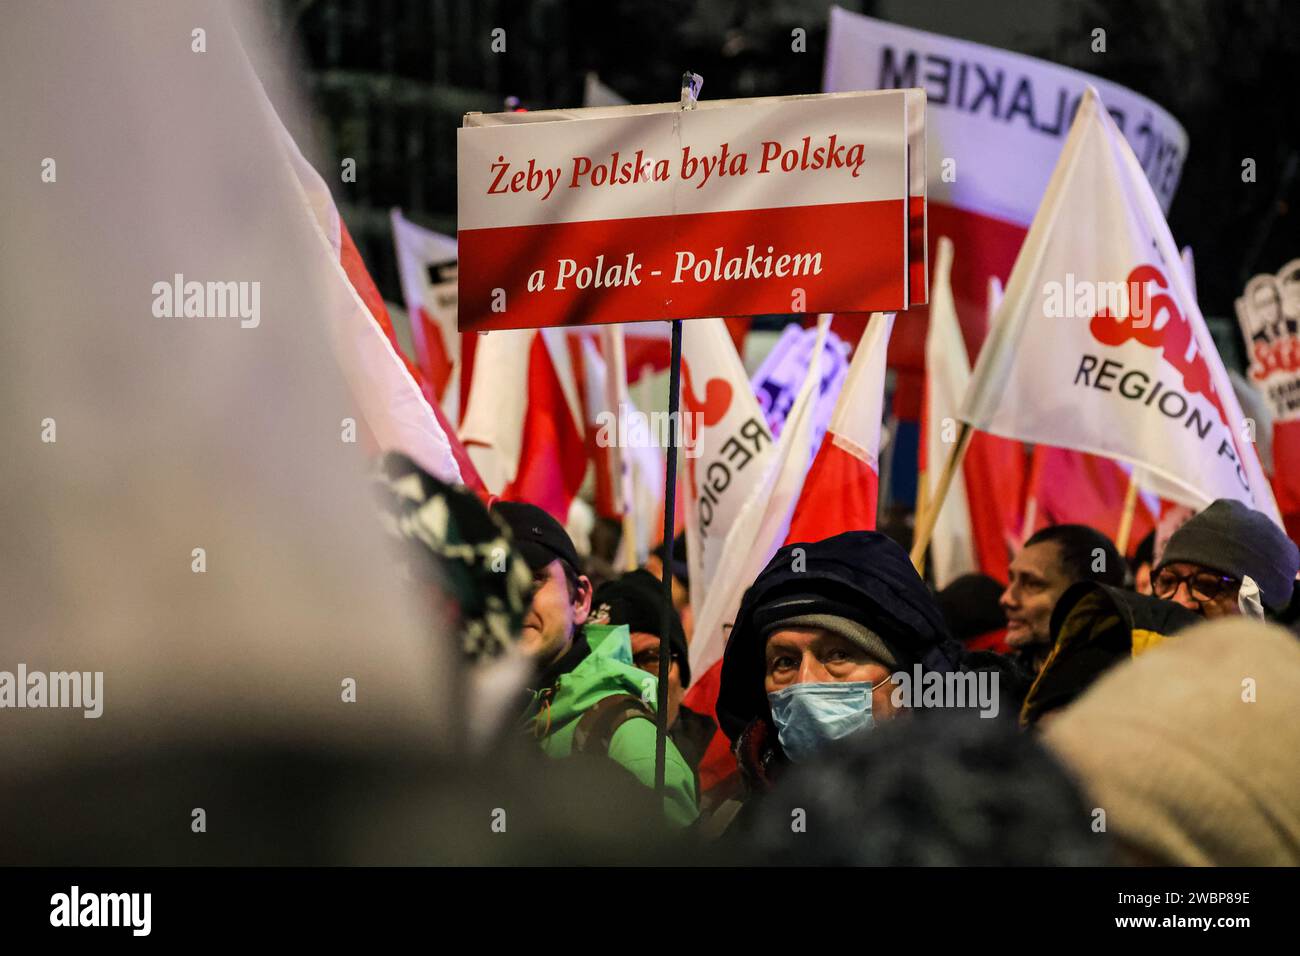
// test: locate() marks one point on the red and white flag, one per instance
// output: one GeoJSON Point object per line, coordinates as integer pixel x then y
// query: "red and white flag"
{"type": "Point", "coordinates": [947, 376]}
{"type": "Point", "coordinates": [625, 447]}
{"type": "Point", "coordinates": [1070, 487]}
{"type": "Point", "coordinates": [764, 518]}
{"type": "Point", "coordinates": [522, 424]}
{"type": "Point", "coordinates": [1100, 346]}
{"type": "Point", "coordinates": [398, 405]}
{"type": "Point", "coordinates": [842, 488]}
{"type": "Point", "coordinates": [727, 447]}
{"type": "Point", "coordinates": [426, 264]}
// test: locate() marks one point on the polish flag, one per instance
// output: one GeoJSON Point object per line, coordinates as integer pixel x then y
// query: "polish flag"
{"type": "Point", "coordinates": [398, 404]}
{"type": "Point", "coordinates": [994, 462]}
{"type": "Point", "coordinates": [522, 425]}
{"type": "Point", "coordinates": [629, 473]}
{"type": "Point", "coordinates": [947, 375]}
{"type": "Point", "coordinates": [840, 492]}
{"type": "Point", "coordinates": [1071, 487]}
{"type": "Point", "coordinates": [1100, 346]}
{"type": "Point", "coordinates": [598, 394]}
{"type": "Point", "coordinates": [426, 264]}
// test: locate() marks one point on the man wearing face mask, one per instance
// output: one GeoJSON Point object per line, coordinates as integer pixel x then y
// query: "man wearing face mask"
{"type": "Point", "coordinates": [817, 638]}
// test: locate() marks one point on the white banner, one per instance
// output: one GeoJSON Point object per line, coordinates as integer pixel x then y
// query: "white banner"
{"type": "Point", "coordinates": [995, 120]}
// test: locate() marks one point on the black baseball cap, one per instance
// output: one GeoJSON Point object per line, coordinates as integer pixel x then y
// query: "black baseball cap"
{"type": "Point", "coordinates": [637, 600]}
{"type": "Point", "coordinates": [676, 562]}
{"type": "Point", "coordinates": [539, 537]}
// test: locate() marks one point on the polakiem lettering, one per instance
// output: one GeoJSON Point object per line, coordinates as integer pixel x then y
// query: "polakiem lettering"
{"type": "Point", "coordinates": [976, 88]}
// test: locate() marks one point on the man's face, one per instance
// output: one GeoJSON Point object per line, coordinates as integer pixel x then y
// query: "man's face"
{"type": "Point", "coordinates": [645, 655]}
{"type": "Point", "coordinates": [1199, 589]}
{"type": "Point", "coordinates": [1037, 583]}
{"type": "Point", "coordinates": [1290, 287]}
{"type": "Point", "coordinates": [554, 614]}
{"type": "Point", "coordinates": [804, 655]}
{"type": "Point", "coordinates": [1266, 303]}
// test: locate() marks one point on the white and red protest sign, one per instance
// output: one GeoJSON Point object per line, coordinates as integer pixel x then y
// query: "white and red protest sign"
{"type": "Point", "coordinates": [1269, 313]}
{"type": "Point", "coordinates": [995, 123]}
{"type": "Point", "coordinates": [1099, 344]}
{"type": "Point", "coordinates": [741, 207]}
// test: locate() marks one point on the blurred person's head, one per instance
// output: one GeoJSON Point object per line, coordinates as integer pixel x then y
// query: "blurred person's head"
{"type": "Point", "coordinates": [636, 600]}
{"type": "Point", "coordinates": [1203, 564]}
{"type": "Point", "coordinates": [561, 597]}
{"type": "Point", "coordinates": [1193, 749]}
{"type": "Point", "coordinates": [681, 575]}
{"type": "Point", "coordinates": [1050, 561]}
{"type": "Point", "coordinates": [816, 639]}
{"type": "Point", "coordinates": [932, 791]}
{"type": "Point", "coordinates": [971, 608]}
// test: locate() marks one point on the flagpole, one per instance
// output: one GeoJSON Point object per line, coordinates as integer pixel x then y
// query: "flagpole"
{"type": "Point", "coordinates": [922, 494]}
{"type": "Point", "coordinates": [1126, 516]}
{"type": "Point", "coordinates": [691, 83]}
{"type": "Point", "coordinates": [925, 527]}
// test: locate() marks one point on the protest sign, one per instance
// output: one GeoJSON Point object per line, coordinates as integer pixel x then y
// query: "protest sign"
{"type": "Point", "coordinates": [1269, 313]}
{"type": "Point", "coordinates": [741, 207]}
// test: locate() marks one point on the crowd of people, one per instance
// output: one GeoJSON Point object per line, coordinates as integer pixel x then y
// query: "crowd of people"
{"type": "Point", "coordinates": [1089, 711]}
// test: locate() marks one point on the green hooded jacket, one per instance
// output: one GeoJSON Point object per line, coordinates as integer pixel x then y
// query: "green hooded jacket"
{"type": "Point", "coordinates": [609, 670]}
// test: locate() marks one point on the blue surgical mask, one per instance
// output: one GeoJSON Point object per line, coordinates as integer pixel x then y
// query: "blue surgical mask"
{"type": "Point", "coordinates": [808, 716]}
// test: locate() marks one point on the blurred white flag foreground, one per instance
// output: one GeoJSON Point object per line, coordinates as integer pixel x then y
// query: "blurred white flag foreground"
{"type": "Point", "coordinates": [1099, 344]}
{"type": "Point", "coordinates": [399, 412]}
{"type": "Point", "coordinates": [183, 510]}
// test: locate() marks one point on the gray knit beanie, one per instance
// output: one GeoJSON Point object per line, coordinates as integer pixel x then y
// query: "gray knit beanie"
{"type": "Point", "coordinates": [851, 631]}
{"type": "Point", "coordinates": [1232, 539]}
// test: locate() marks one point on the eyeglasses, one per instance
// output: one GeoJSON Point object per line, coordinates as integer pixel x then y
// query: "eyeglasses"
{"type": "Point", "coordinates": [1202, 585]}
